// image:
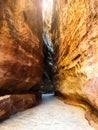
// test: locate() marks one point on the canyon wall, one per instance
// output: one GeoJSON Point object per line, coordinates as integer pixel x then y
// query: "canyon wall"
{"type": "Point", "coordinates": [21, 56]}
{"type": "Point", "coordinates": [75, 37]}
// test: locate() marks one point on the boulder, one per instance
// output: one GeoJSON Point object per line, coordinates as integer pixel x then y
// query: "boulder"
{"type": "Point", "coordinates": [21, 56]}
{"type": "Point", "coordinates": [11, 104]}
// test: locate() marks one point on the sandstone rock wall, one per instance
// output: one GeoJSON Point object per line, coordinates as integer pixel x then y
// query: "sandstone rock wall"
{"type": "Point", "coordinates": [21, 57]}
{"type": "Point", "coordinates": [75, 37]}
{"type": "Point", "coordinates": [11, 104]}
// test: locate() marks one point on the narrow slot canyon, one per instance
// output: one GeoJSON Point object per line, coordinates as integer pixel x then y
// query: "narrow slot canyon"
{"type": "Point", "coordinates": [48, 65]}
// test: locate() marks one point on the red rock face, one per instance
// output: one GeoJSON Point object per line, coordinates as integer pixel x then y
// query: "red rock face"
{"type": "Point", "coordinates": [75, 37]}
{"type": "Point", "coordinates": [10, 104]}
{"type": "Point", "coordinates": [21, 57]}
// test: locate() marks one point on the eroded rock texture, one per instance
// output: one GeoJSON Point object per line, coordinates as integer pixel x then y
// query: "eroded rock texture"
{"type": "Point", "coordinates": [21, 58]}
{"type": "Point", "coordinates": [11, 104]}
{"type": "Point", "coordinates": [75, 37]}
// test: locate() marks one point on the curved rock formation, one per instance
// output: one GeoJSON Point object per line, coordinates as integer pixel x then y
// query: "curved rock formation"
{"type": "Point", "coordinates": [75, 37]}
{"type": "Point", "coordinates": [21, 57]}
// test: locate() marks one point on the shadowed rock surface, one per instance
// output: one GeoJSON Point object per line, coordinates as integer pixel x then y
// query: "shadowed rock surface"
{"type": "Point", "coordinates": [75, 38]}
{"type": "Point", "coordinates": [21, 57]}
{"type": "Point", "coordinates": [47, 86]}
{"type": "Point", "coordinates": [11, 104]}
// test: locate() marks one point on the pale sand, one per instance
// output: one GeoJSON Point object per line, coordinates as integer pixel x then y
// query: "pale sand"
{"type": "Point", "coordinates": [51, 114]}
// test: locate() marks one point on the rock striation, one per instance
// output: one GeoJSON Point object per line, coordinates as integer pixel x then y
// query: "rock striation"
{"type": "Point", "coordinates": [11, 104]}
{"type": "Point", "coordinates": [75, 37]}
{"type": "Point", "coordinates": [21, 55]}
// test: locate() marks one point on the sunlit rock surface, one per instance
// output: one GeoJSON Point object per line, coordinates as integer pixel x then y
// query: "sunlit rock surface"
{"type": "Point", "coordinates": [47, 14]}
{"type": "Point", "coordinates": [75, 37]}
{"type": "Point", "coordinates": [21, 58]}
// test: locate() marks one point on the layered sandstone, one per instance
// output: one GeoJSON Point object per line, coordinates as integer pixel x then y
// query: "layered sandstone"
{"type": "Point", "coordinates": [75, 37]}
{"type": "Point", "coordinates": [21, 57]}
{"type": "Point", "coordinates": [11, 104]}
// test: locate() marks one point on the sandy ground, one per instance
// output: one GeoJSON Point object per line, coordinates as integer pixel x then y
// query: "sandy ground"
{"type": "Point", "coordinates": [51, 114]}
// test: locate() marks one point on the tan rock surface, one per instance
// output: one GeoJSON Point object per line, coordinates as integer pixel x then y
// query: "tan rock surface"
{"type": "Point", "coordinates": [21, 57]}
{"type": "Point", "coordinates": [75, 37]}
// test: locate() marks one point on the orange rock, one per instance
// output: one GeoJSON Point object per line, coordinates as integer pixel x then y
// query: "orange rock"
{"type": "Point", "coordinates": [21, 57]}
{"type": "Point", "coordinates": [75, 37]}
